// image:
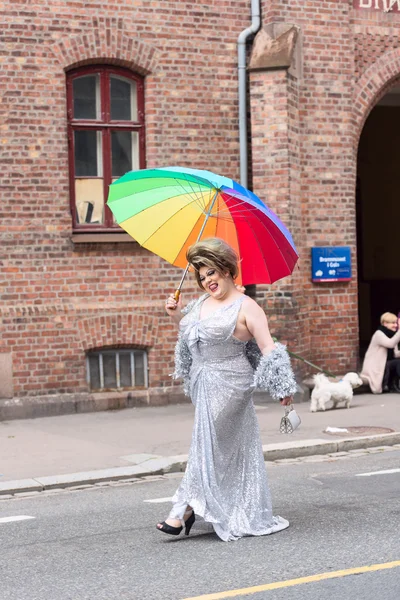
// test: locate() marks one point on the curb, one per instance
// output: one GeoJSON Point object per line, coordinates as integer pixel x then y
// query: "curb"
{"type": "Point", "coordinates": [314, 447]}
{"type": "Point", "coordinates": [177, 464]}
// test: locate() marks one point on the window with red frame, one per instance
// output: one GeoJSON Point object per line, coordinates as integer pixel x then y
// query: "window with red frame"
{"type": "Point", "coordinates": [106, 139]}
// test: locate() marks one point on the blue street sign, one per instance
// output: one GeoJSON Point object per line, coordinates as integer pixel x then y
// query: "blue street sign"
{"type": "Point", "coordinates": [332, 263]}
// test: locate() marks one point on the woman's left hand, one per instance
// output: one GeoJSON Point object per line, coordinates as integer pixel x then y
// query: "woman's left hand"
{"type": "Point", "coordinates": [286, 401]}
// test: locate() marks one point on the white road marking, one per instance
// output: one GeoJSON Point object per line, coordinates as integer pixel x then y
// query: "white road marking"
{"type": "Point", "coordinates": [158, 500]}
{"type": "Point", "coordinates": [17, 518]}
{"type": "Point", "coordinates": [388, 472]}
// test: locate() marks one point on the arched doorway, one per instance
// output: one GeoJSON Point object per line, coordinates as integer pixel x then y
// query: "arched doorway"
{"type": "Point", "coordinates": [378, 215]}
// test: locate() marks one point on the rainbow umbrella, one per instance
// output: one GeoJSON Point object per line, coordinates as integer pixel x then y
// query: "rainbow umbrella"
{"type": "Point", "coordinates": [168, 209]}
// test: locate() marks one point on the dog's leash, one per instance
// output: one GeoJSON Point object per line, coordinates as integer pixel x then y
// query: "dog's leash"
{"type": "Point", "coordinates": [304, 360]}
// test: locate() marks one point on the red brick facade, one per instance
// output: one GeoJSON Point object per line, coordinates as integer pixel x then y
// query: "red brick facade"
{"type": "Point", "coordinates": [61, 296]}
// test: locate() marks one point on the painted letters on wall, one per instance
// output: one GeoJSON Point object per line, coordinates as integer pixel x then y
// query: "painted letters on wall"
{"type": "Point", "coordinates": [381, 5]}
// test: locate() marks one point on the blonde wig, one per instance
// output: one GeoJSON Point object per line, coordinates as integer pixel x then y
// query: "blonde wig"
{"type": "Point", "coordinates": [215, 254]}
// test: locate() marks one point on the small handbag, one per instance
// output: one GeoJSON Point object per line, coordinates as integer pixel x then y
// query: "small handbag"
{"type": "Point", "coordinates": [290, 421]}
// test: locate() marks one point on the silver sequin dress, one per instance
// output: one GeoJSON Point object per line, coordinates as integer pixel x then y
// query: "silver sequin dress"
{"type": "Point", "coordinates": [225, 480]}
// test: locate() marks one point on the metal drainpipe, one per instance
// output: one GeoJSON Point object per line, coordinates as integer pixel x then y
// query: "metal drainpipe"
{"type": "Point", "coordinates": [254, 27]}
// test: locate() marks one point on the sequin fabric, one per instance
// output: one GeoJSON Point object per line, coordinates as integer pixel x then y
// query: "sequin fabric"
{"type": "Point", "coordinates": [225, 481]}
{"type": "Point", "coordinates": [274, 373]}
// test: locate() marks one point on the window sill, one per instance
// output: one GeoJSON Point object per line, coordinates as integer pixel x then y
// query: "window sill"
{"type": "Point", "coordinates": [102, 238]}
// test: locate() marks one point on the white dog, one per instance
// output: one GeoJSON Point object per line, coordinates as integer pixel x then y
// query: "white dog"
{"type": "Point", "coordinates": [340, 391]}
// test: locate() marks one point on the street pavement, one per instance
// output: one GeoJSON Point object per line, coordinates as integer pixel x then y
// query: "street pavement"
{"type": "Point", "coordinates": [56, 446]}
{"type": "Point", "coordinates": [101, 543]}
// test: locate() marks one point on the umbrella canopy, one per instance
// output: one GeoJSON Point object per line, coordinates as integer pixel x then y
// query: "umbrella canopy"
{"type": "Point", "coordinates": [167, 209]}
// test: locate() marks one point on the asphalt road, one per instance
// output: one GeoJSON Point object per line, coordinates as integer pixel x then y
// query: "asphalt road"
{"type": "Point", "coordinates": [102, 544]}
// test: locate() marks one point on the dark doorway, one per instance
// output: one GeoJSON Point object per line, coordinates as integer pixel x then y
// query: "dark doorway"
{"type": "Point", "coordinates": [378, 215]}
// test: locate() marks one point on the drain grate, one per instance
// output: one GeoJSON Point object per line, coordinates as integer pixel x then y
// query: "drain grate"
{"type": "Point", "coordinates": [360, 431]}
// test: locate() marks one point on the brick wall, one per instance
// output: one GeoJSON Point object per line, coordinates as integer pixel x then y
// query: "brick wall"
{"type": "Point", "coordinates": [276, 170]}
{"type": "Point", "coordinates": [311, 181]}
{"type": "Point", "coordinates": [350, 59]}
{"type": "Point", "coordinates": [51, 288]}
{"type": "Point", "coordinates": [60, 299]}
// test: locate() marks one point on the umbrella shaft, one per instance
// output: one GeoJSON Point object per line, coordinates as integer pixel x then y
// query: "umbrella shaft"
{"type": "Point", "coordinates": [183, 278]}
{"type": "Point", "coordinates": [208, 214]}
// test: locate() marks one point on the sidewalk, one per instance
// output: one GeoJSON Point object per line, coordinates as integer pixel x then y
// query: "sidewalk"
{"type": "Point", "coordinates": [138, 441]}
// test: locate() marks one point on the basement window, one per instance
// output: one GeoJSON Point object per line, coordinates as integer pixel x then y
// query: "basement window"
{"type": "Point", "coordinates": [116, 369]}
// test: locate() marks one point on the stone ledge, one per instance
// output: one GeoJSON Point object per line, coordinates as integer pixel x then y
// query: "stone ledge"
{"type": "Point", "coordinates": [31, 407]}
{"type": "Point", "coordinates": [101, 238]}
{"type": "Point", "coordinates": [274, 47]}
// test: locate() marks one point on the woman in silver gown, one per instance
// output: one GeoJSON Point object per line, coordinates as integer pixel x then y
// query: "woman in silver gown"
{"type": "Point", "coordinates": [225, 481]}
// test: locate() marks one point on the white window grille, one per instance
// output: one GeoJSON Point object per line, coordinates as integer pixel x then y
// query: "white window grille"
{"type": "Point", "coordinates": [117, 369]}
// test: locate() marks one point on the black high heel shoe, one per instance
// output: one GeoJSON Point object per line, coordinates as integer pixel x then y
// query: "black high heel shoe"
{"type": "Point", "coordinates": [176, 530]}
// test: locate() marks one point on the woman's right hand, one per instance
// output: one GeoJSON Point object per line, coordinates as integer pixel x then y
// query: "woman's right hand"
{"type": "Point", "coordinates": [286, 401]}
{"type": "Point", "coordinates": [173, 307]}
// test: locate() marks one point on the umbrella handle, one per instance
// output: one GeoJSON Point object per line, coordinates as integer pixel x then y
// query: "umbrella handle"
{"type": "Point", "coordinates": [177, 292]}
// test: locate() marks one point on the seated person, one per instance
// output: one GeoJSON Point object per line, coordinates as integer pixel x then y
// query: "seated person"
{"type": "Point", "coordinates": [381, 368]}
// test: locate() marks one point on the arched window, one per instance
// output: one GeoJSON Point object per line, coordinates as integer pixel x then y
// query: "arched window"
{"type": "Point", "coordinates": [106, 139]}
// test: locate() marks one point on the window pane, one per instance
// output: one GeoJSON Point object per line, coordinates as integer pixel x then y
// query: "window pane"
{"type": "Point", "coordinates": [125, 369]}
{"type": "Point", "coordinates": [94, 372]}
{"type": "Point", "coordinates": [87, 153]}
{"type": "Point", "coordinates": [89, 200]}
{"type": "Point", "coordinates": [109, 371]}
{"type": "Point", "coordinates": [123, 99]}
{"type": "Point", "coordinates": [140, 379]}
{"type": "Point", "coordinates": [86, 97]}
{"type": "Point", "coordinates": [124, 151]}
